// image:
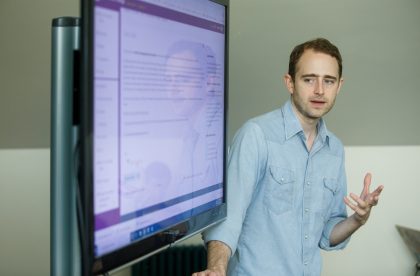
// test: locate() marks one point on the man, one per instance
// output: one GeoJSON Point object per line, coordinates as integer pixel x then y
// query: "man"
{"type": "Point", "coordinates": [287, 180]}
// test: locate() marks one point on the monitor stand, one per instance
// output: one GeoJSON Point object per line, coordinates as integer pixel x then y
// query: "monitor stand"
{"type": "Point", "coordinates": [65, 254]}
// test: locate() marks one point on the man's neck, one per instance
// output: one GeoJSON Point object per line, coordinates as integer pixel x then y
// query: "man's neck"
{"type": "Point", "coordinates": [309, 126]}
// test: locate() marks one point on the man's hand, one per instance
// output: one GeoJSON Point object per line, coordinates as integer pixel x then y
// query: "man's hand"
{"type": "Point", "coordinates": [218, 254]}
{"type": "Point", "coordinates": [362, 205]}
{"type": "Point", "coordinates": [211, 272]}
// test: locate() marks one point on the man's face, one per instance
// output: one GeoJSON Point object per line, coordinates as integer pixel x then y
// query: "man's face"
{"type": "Point", "coordinates": [315, 86]}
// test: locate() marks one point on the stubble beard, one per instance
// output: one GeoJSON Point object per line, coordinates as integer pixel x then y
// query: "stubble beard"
{"type": "Point", "coordinates": [305, 110]}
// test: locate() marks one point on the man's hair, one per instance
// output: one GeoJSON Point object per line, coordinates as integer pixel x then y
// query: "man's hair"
{"type": "Point", "coordinates": [320, 45]}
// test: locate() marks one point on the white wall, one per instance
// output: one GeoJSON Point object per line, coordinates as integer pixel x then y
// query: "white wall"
{"type": "Point", "coordinates": [25, 213]}
{"type": "Point", "coordinates": [376, 249]}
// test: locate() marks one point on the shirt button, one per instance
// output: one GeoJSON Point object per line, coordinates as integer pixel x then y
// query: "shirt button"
{"type": "Point", "coordinates": [306, 210]}
{"type": "Point", "coordinates": [308, 183]}
{"type": "Point", "coordinates": [305, 263]}
{"type": "Point", "coordinates": [306, 237]}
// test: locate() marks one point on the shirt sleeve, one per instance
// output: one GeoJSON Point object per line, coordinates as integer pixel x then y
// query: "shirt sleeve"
{"type": "Point", "coordinates": [339, 212]}
{"type": "Point", "coordinates": [246, 162]}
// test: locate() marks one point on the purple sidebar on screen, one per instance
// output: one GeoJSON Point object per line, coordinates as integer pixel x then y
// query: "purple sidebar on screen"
{"type": "Point", "coordinates": [107, 219]}
{"type": "Point", "coordinates": [111, 5]}
{"type": "Point", "coordinates": [165, 13]}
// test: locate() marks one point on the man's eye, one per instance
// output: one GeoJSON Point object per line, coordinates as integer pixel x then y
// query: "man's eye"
{"type": "Point", "coordinates": [308, 80]}
{"type": "Point", "coordinates": [329, 82]}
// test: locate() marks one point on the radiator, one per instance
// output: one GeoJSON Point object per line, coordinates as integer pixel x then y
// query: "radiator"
{"type": "Point", "coordinates": [175, 261]}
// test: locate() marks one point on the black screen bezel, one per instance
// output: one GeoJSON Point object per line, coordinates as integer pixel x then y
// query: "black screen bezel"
{"type": "Point", "coordinates": [92, 265]}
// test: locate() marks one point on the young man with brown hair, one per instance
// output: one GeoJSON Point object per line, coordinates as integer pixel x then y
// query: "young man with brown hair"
{"type": "Point", "coordinates": [287, 182]}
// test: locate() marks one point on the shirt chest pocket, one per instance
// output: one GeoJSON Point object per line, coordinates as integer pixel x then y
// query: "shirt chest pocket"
{"type": "Point", "coordinates": [328, 192]}
{"type": "Point", "coordinates": [279, 192]}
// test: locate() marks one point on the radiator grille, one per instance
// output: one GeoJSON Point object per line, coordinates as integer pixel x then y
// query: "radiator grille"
{"type": "Point", "coordinates": [175, 261]}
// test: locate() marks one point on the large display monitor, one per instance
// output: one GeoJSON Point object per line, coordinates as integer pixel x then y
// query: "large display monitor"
{"type": "Point", "coordinates": [154, 108]}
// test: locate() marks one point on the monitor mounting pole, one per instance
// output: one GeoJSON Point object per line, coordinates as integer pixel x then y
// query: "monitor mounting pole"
{"type": "Point", "coordinates": [64, 241]}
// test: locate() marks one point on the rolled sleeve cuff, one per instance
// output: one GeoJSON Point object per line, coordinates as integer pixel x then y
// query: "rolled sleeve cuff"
{"type": "Point", "coordinates": [216, 234]}
{"type": "Point", "coordinates": [325, 239]}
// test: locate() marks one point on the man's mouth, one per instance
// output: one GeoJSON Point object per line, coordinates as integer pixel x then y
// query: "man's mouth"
{"type": "Point", "coordinates": [318, 103]}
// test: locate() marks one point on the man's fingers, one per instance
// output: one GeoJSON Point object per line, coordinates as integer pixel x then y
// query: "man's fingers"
{"type": "Point", "coordinates": [378, 191]}
{"type": "Point", "coordinates": [350, 204]}
{"type": "Point", "coordinates": [206, 272]}
{"type": "Point", "coordinates": [361, 203]}
{"type": "Point", "coordinates": [354, 207]}
{"type": "Point", "coordinates": [375, 201]}
{"type": "Point", "coordinates": [366, 185]}
{"type": "Point", "coordinates": [373, 198]}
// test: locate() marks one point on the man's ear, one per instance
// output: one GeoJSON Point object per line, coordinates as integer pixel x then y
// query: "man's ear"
{"type": "Point", "coordinates": [288, 81]}
{"type": "Point", "coordinates": [340, 84]}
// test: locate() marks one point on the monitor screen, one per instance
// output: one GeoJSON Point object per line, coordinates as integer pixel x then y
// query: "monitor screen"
{"type": "Point", "coordinates": [153, 124]}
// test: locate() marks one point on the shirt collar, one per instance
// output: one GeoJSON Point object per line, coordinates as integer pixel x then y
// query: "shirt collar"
{"type": "Point", "coordinates": [292, 125]}
{"type": "Point", "coordinates": [323, 131]}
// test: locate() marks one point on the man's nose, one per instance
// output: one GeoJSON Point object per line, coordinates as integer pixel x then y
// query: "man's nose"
{"type": "Point", "coordinates": [319, 87]}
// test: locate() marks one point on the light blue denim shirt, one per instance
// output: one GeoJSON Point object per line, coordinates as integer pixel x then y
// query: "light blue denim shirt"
{"type": "Point", "coordinates": [283, 200]}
